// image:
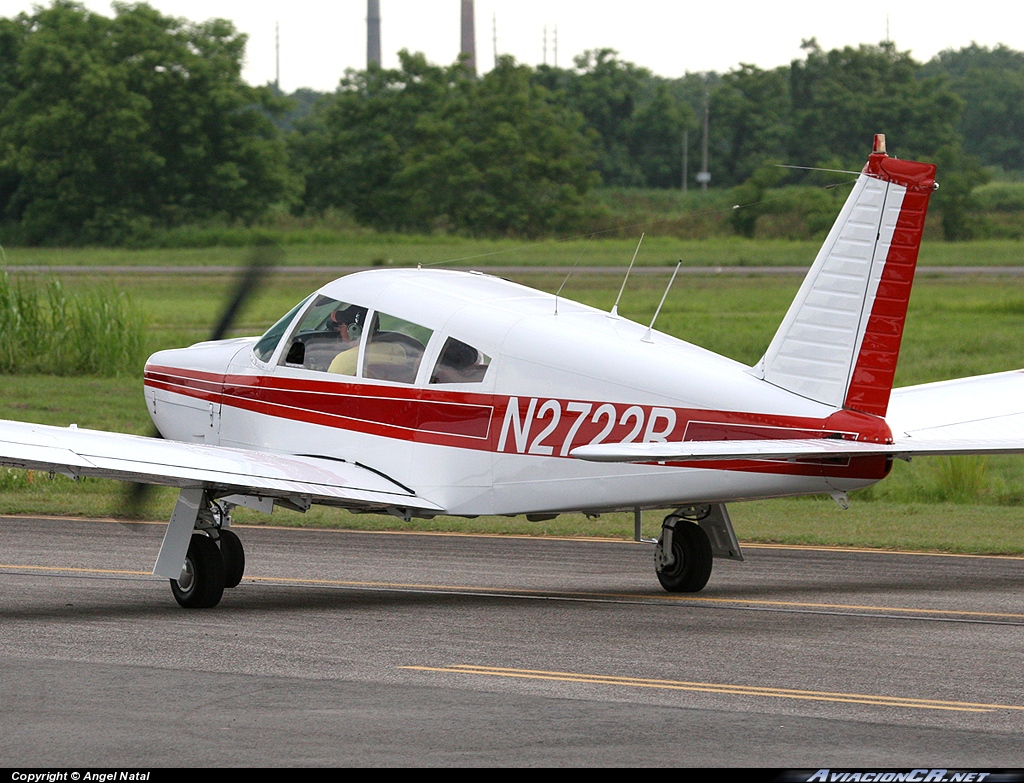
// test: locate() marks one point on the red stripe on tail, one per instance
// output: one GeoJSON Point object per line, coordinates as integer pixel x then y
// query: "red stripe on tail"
{"type": "Point", "coordinates": [875, 368]}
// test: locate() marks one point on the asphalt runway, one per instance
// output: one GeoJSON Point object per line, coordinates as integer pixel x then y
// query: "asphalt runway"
{"type": "Point", "coordinates": [346, 648]}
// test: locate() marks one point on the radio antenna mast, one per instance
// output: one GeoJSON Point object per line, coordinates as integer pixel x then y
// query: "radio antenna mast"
{"type": "Point", "coordinates": [584, 250]}
{"type": "Point", "coordinates": [647, 337]}
{"type": "Point", "coordinates": [615, 307]}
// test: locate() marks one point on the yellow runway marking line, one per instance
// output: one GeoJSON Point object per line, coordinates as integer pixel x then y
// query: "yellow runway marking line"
{"type": "Point", "coordinates": [728, 689]}
{"type": "Point", "coordinates": [66, 570]}
{"type": "Point", "coordinates": [499, 592]}
{"type": "Point", "coordinates": [873, 551]}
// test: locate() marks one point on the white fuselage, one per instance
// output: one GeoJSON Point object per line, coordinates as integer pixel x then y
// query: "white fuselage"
{"type": "Point", "coordinates": [501, 444]}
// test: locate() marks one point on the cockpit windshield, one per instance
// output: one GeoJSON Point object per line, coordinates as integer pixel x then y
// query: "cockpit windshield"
{"type": "Point", "coordinates": [264, 348]}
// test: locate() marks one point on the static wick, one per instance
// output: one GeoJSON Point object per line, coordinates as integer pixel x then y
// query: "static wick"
{"type": "Point", "coordinates": [647, 337]}
{"type": "Point", "coordinates": [615, 307]}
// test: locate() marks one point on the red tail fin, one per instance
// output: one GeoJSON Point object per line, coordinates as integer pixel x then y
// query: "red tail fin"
{"type": "Point", "coordinates": [841, 337]}
{"type": "Point", "coordinates": [875, 366]}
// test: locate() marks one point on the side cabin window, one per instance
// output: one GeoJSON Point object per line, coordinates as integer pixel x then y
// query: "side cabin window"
{"type": "Point", "coordinates": [327, 338]}
{"type": "Point", "coordinates": [459, 363]}
{"type": "Point", "coordinates": [394, 349]}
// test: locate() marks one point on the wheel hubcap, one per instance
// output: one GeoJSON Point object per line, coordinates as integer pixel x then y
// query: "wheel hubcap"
{"type": "Point", "coordinates": [188, 576]}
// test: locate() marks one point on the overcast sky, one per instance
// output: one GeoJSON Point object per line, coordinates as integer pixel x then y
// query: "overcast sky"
{"type": "Point", "coordinates": [320, 39]}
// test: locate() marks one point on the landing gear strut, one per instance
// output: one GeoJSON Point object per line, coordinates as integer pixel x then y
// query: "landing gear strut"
{"type": "Point", "coordinates": [683, 557]}
{"type": "Point", "coordinates": [213, 557]}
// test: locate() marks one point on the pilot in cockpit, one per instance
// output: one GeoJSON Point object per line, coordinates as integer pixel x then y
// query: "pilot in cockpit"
{"type": "Point", "coordinates": [348, 322]}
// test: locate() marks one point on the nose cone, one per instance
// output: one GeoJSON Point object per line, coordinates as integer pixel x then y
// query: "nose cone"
{"type": "Point", "coordinates": [183, 388]}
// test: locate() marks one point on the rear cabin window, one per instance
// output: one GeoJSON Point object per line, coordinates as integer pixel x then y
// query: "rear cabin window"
{"type": "Point", "coordinates": [394, 349]}
{"type": "Point", "coordinates": [459, 363]}
{"type": "Point", "coordinates": [327, 338]}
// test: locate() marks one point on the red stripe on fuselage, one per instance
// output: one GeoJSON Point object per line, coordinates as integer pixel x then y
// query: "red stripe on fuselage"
{"type": "Point", "coordinates": [542, 426]}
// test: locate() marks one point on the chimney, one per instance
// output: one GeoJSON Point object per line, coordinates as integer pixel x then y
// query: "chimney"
{"type": "Point", "coordinates": [372, 33]}
{"type": "Point", "coordinates": [468, 35]}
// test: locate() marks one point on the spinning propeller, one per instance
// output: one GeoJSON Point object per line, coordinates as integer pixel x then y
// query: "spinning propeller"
{"type": "Point", "coordinates": [265, 254]}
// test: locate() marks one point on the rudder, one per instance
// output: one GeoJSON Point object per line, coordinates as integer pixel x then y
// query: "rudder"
{"type": "Point", "coordinates": [840, 339]}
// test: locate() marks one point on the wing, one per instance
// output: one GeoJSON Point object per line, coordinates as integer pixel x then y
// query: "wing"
{"type": "Point", "coordinates": [297, 479]}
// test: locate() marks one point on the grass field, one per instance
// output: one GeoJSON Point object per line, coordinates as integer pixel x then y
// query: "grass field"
{"type": "Point", "coordinates": [956, 326]}
{"type": "Point", "coordinates": [614, 249]}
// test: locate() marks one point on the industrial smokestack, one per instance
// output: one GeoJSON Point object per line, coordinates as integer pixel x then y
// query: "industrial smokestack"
{"type": "Point", "coordinates": [372, 33]}
{"type": "Point", "coordinates": [468, 35]}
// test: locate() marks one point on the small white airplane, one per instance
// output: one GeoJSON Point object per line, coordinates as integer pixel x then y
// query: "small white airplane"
{"type": "Point", "coordinates": [424, 392]}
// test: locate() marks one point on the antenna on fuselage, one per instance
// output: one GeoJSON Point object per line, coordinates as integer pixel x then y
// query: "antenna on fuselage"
{"type": "Point", "coordinates": [647, 337]}
{"type": "Point", "coordinates": [571, 271]}
{"type": "Point", "coordinates": [615, 307]}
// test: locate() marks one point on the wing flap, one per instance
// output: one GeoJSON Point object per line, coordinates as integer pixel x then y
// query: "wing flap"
{"type": "Point", "coordinates": [79, 452]}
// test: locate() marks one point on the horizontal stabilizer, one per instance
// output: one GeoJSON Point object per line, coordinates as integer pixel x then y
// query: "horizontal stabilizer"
{"type": "Point", "coordinates": [793, 450]}
{"type": "Point", "coordinates": [78, 452]}
{"type": "Point", "coordinates": [982, 406]}
{"type": "Point", "coordinates": [979, 415]}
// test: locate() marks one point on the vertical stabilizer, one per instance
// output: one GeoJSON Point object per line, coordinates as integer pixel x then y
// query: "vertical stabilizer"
{"type": "Point", "coordinates": [839, 342]}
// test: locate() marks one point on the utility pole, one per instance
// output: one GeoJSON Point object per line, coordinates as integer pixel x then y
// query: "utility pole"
{"type": "Point", "coordinates": [277, 56]}
{"type": "Point", "coordinates": [494, 37]}
{"type": "Point", "coordinates": [469, 35]}
{"type": "Point", "coordinates": [545, 44]}
{"type": "Point", "coordinates": [704, 176]}
{"type": "Point", "coordinates": [372, 33]}
{"type": "Point", "coordinates": [686, 156]}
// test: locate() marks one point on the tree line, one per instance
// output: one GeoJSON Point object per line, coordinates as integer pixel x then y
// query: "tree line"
{"type": "Point", "coordinates": [112, 127]}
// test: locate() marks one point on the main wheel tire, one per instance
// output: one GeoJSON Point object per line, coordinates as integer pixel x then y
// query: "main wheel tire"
{"type": "Point", "coordinates": [691, 567]}
{"type": "Point", "coordinates": [201, 583]}
{"type": "Point", "coordinates": [234, 557]}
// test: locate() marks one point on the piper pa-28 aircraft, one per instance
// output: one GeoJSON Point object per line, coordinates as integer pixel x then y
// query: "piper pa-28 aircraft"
{"type": "Point", "coordinates": [424, 392]}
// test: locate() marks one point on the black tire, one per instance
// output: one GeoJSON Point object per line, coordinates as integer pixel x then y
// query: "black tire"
{"type": "Point", "coordinates": [233, 555]}
{"type": "Point", "coordinates": [201, 583]}
{"type": "Point", "coordinates": [693, 559]}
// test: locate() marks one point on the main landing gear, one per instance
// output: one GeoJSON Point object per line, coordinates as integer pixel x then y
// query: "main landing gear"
{"type": "Point", "coordinates": [213, 557]}
{"type": "Point", "coordinates": [691, 537]}
{"type": "Point", "coordinates": [215, 560]}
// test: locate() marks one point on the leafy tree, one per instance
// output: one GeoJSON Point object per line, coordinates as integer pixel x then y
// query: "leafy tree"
{"type": "Point", "coordinates": [750, 198]}
{"type": "Point", "coordinates": [991, 84]}
{"type": "Point", "coordinates": [842, 97]}
{"type": "Point", "coordinates": [638, 117]}
{"type": "Point", "coordinates": [750, 122]}
{"type": "Point", "coordinates": [424, 147]}
{"type": "Point", "coordinates": [110, 126]}
{"type": "Point", "coordinates": [960, 175]}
